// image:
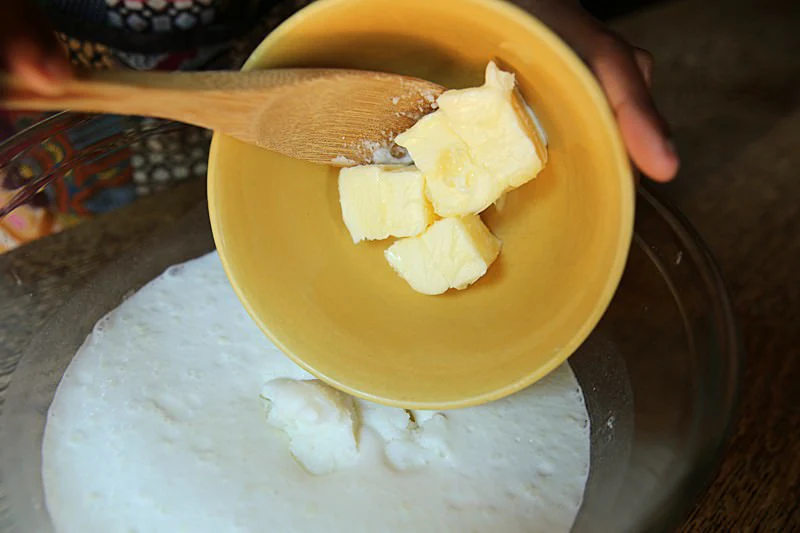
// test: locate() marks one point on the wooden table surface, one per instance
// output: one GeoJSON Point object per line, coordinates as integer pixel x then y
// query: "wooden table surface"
{"type": "Point", "coordinates": [728, 78]}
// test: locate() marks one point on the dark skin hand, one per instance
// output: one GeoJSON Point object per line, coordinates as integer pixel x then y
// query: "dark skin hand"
{"type": "Point", "coordinates": [625, 73]}
{"type": "Point", "coordinates": [30, 50]}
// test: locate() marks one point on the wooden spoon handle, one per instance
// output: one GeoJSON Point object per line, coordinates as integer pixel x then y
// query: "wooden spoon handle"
{"type": "Point", "coordinates": [183, 96]}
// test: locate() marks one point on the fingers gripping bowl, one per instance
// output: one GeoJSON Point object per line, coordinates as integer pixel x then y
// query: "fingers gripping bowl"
{"type": "Point", "coordinates": [337, 310]}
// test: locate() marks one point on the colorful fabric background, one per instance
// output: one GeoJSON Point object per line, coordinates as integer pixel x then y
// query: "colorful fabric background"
{"type": "Point", "coordinates": [129, 34]}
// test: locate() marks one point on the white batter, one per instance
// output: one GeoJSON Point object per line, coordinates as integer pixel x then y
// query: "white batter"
{"type": "Point", "coordinates": [157, 426]}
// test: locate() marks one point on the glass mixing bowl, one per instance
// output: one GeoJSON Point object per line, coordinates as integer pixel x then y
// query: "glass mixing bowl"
{"type": "Point", "coordinates": [660, 374]}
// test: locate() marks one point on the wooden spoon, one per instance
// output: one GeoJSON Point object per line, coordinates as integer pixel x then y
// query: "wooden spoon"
{"type": "Point", "coordinates": [328, 116]}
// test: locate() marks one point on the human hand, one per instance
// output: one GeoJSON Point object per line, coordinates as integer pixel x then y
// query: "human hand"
{"type": "Point", "coordinates": [625, 73]}
{"type": "Point", "coordinates": [29, 49]}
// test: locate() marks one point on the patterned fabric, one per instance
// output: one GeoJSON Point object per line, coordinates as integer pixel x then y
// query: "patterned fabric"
{"type": "Point", "coordinates": [90, 189]}
{"type": "Point", "coordinates": [159, 15]}
{"type": "Point", "coordinates": [88, 55]}
{"type": "Point", "coordinates": [144, 167]}
{"type": "Point", "coordinates": [156, 26]}
{"type": "Point", "coordinates": [164, 159]}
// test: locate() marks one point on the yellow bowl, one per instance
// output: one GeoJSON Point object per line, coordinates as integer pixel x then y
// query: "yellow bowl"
{"type": "Point", "coordinates": [338, 309]}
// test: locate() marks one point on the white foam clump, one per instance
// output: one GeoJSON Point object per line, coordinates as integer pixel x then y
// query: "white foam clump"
{"type": "Point", "coordinates": [157, 426]}
{"type": "Point", "coordinates": [343, 161]}
{"type": "Point", "coordinates": [320, 422]}
{"type": "Point", "coordinates": [409, 443]}
{"type": "Point", "coordinates": [382, 155]}
{"type": "Point", "coordinates": [322, 426]}
{"type": "Point", "coordinates": [378, 154]}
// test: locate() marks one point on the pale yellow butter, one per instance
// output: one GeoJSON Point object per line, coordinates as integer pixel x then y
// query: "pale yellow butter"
{"type": "Point", "coordinates": [455, 184]}
{"type": "Point", "coordinates": [452, 253]}
{"type": "Point", "coordinates": [480, 143]}
{"type": "Point", "coordinates": [476, 147]}
{"type": "Point", "coordinates": [380, 201]}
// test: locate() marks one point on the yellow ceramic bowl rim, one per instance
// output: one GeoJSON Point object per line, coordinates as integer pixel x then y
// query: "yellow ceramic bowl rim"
{"type": "Point", "coordinates": [590, 83]}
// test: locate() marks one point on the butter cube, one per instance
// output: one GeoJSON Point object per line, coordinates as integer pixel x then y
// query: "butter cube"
{"type": "Point", "coordinates": [499, 136]}
{"type": "Point", "coordinates": [477, 146]}
{"type": "Point", "coordinates": [452, 253]}
{"type": "Point", "coordinates": [321, 423]}
{"type": "Point", "coordinates": [455, 183]}
{"type": "Point", "coordinates": [379, 201]}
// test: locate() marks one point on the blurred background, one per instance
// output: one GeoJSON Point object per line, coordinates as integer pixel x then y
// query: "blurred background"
{"type": "Point", "coordinates": [606, 10]}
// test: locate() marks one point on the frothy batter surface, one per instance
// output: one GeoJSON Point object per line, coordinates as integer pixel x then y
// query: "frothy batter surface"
{"type": "Point", "coordinates": [157, 426]}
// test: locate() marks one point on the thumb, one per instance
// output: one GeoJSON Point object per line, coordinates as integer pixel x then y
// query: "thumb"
{"type": "Point", "coordinates": [622, 76]}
